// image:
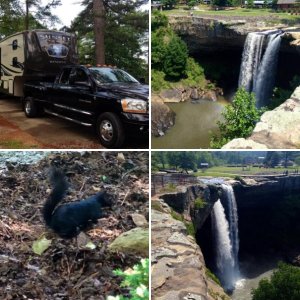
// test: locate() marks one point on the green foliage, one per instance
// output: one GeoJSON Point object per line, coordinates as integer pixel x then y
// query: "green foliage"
{"type": "Point", "coordinates": [239, 119]}
{"type": "Point", "coordinates": [192, 3]}
{"type": "Point", "coordinates": [280, 94]}
{"type": "Point", "coordinates": [175, 215]}
{"type": "Point", "coordinates": [238, 178]}
{"type": "Point", "coordinates": [284, 284]}
{"type": "Point", "coordinates": [211, 275]}
{"type": "Point", "coordinates": [169, 188]}
{"type": "Point", "coordinates": [250, 3]}
{"type": "Point", "coordinates": [194, 74]}
{"type": "Point", "coordinates": [169, 53]}
{"type": "Point", "coordinates": [175, 58]}
{"type": "Point", "coordinates": [158, 20]}
{"type": "Point", "coordinates": [126, 36]}
{"type": "Point", "coordinates": [190, 228]}
{"type": "Point", "coordinates": [158, 81]}
{"type": "Point", "coordinates": [272, 159]}
{"type": "Point", "coordinates": [169, 4]}
{"type": "Point", "coordinates": [137, 280]}
{"type": "Point", "coordinates": [200, 203]}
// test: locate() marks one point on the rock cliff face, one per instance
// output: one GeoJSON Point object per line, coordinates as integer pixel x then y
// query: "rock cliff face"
{"type": "Point", "coordinates": [223, 33]}
{"type": "Point", "coordinates": [178, 268]}
{"type": "Point", "coordinates": [277, 129]}
{"type": "Point", "coordinates": [185, 202]}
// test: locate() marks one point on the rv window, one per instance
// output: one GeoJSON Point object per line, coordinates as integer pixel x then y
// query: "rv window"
{"type": "Point", "coordinates": [64, 79]}
{"type": "Point", "coordinates": [15, 44]}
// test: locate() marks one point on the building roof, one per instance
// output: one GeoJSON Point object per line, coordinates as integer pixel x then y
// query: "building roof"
{"type": "Point", "coordinates": [286, 2]}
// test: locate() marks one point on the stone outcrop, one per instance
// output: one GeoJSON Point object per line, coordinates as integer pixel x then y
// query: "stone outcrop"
{"type": "Point", "coordinates": [185, 202]}
{"type": "Point", "coordinates": [227, 33]}
{"type": "Point", "coordinates": [277, 129]}
{"type": "Point", "coordinates": [248, 189]}
{"type": "Point", "coordinates": [162, 117]}
{"type": "Point", "coordinates": [178, 268]}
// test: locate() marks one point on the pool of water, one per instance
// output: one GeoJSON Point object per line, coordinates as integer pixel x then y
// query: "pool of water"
{"type": "Point", "coordinates": [194, 124]}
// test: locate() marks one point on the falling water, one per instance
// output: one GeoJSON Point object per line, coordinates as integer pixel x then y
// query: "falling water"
{"type": "Point", "coordinates": [265, 79]}
{"type": "Point", "coordinates": [251, 59]}
{"type": "Point", "coordinates": [225, 230]}
{"type": "Point", "coordinates": [258, 70]}
{"type": "Point", "coordinates": [233, 220]}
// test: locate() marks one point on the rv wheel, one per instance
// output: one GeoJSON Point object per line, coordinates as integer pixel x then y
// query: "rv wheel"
{"type": "Point", "coordinates": [30, 108]}
{"type": "Point", "coordinates": [110, 130]}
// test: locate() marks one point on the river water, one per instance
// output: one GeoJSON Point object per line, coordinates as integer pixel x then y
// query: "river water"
{"type": "Point", "coordinates": [194, 124]}
{"type": "Point", "coordinates": [251, 273]}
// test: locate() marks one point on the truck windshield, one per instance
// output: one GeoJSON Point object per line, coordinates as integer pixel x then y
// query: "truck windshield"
{"type": "Point", "coordinates": [109, 75]}
{"type": "Point", "coordinates": [56, 44]}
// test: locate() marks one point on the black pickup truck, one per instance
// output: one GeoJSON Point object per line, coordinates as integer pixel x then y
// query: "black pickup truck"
{"type": "Point", "coordinates": [107, 98]}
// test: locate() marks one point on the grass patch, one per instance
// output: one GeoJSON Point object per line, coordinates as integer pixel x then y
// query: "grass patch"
{"type": "Point", "coordinates": [188, 225]}
{"type": "Point", "coordinates": [169, 188]}
{"type": "Point", "coordinates": [157, 206]}
{"type": "Point", "coordinates": [190, 228]}
{"type": "Point", "coordinates": [200, 203]}
{"type": "Point", "coordinates": [212, 276]}
{"type": "Point", "coordinates": [13, 144]}
{"type": "Point", "coordinates": [177, 216]}
{"type": "Point", "coordinates": [274, 16]}
{"type": "Point", "coordinates": [233, 172]}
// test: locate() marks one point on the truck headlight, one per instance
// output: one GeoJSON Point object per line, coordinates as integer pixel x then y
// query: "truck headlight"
{"type": "Point", "coordinates": [134, 106]}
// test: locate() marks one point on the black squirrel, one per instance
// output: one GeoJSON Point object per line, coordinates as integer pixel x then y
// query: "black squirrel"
{"type": "Point", "coordinates": [67, 220]}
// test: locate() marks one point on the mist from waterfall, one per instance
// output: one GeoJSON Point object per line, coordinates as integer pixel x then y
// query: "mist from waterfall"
{"type": "Point", "coordinates": [226, 239]}
{"type": "Point", "coordinates": [258, 69]}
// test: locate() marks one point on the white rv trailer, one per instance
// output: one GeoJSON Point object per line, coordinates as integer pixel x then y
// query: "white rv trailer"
{"type": "Point", "coordinates": [34, 55]}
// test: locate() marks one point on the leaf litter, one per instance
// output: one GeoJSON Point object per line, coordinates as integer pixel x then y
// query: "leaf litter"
{"type": "Point", "coordinates": [68, 269]}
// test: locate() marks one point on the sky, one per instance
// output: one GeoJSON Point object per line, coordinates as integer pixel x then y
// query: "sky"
{"type": "Point", "coordinates": [67, 11]}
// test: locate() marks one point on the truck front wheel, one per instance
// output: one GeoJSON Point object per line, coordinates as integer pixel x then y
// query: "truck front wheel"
{"type": "Point", "coordinates": [30, 108]}
{"type": "Point", "coordinates": [110, 130]}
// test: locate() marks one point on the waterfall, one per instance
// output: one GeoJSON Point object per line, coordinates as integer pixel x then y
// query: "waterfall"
{"type": "Point", "coordinates": [251, 59]}
{"type": "Point", "coordinates": [257, 73]}
{"type": "Point", "coordinates": [225, 232]}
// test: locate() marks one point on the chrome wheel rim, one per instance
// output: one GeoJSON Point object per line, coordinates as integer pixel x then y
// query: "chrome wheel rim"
{"type": "Point", "coordinates": [106, 130]}
{"type": "Point", "coordinates": [28, 107]}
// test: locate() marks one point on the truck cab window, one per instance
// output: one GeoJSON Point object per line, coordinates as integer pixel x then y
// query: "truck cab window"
{"type": "Point", "coordinates": [64, 78]}
{"type": "Point", "coordinates": [80, 76]}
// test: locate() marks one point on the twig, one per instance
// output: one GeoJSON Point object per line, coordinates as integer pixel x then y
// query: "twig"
{"type": "Point", "coordinates": [126, 196]}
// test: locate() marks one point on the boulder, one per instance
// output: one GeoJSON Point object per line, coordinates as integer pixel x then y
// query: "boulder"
{"type": "Point", "coordinates": [162, 118]}
{"type": "Point", "coordinates": [133, 241]}
{"type": "Point", "coordinates": [277, 129]}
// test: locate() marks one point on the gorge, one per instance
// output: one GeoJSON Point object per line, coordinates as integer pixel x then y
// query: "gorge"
{"type": "Point", "coordinates": [251, 237]}
{"type": "Point", "coordinates": [233, 53]}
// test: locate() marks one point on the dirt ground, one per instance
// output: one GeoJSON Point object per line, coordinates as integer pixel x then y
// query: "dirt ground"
{"type": "Point", "coordinates": [19, 132]}
{"type": "Point", "coordinates": [66, 271]}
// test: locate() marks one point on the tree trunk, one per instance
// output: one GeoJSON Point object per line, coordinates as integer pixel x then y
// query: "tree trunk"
{"type": "Point", "coordinates": [99, 29]}
{"type": "Point", "coordinates": [27, 15]}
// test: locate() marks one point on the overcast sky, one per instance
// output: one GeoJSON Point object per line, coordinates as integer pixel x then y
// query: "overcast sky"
{"type": "Point", "coordinates": [67, 11]}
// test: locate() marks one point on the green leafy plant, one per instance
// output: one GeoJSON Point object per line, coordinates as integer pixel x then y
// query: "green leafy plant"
{"type": "Point", "coordinates": [240, 119]}
{"type": "Point", "coordinates": [212, 276]}
{"type": "Point", "coordinates": [200, 203]}
{"type": "Point", "coordinates": [137, 280]}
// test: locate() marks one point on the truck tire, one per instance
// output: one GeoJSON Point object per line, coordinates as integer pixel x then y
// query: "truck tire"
{"type": "Point", "coordinates": [110, 130]}
{"type": "Point", "coordinates": [31, 109]}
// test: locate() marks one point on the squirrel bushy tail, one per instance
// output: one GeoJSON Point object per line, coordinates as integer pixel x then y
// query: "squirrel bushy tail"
{"type": "Point", "coordinates": [60, 186]}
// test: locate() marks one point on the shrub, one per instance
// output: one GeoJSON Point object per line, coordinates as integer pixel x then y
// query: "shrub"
{"type": "Point", "coordinates": [239, 119]}
{"type": "Point", "coordinates": [200, 203]}
{"type": "Point", "coordinates": [284, 284]}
